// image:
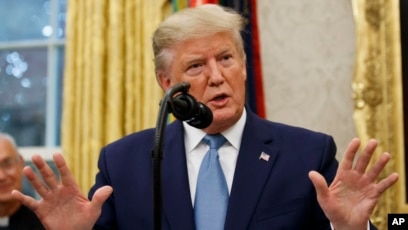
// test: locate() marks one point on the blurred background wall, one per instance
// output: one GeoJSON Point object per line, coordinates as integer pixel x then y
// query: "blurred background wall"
{"type": "Point", "coordinates": [308, 55]}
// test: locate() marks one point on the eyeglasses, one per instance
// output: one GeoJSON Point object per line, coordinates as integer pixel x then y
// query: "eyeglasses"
{"type": "Point", "coordinates": [8, 166]}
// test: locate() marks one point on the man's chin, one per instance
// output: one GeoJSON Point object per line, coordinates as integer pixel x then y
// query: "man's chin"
{"type": "Point", "coordinates": [224, 115]}
{"type": "Point", "coordinates": [220, 125]}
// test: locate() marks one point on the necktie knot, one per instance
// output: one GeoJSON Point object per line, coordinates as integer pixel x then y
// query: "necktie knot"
{"type": "Point", "coordinates": [214, 141]}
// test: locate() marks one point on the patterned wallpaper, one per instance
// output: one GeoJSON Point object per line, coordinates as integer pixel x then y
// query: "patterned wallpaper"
{"type": "Point", "coordinates": [308, 51]}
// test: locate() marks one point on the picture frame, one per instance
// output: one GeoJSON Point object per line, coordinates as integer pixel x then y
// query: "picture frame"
{"type": "Point", "coordinates": [378, 95]}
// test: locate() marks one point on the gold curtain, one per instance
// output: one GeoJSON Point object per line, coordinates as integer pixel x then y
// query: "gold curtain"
{"type": "Point", "coordinates": [377, 91]}
{"type": "Point", "coordinates": [110, 88]}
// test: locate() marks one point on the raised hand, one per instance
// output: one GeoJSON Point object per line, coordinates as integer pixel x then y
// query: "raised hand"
{"type": "Point", "coordinates": [62, 205]}
{"type": "Point", "coordinates": [354, 192]}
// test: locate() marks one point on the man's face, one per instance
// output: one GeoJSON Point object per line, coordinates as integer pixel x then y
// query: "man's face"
{"type": "Point", "coordinates": [11, 167]}
{"type": "Point", "coordinates": [216, 72]}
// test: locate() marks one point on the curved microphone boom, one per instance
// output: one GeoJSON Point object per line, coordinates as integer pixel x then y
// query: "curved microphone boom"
{"type": "Point", "coordinates": [184, 107]}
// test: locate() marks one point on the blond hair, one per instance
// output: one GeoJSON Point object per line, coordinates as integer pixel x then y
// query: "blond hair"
{"type": "Point", "coordinates": [195, 22]}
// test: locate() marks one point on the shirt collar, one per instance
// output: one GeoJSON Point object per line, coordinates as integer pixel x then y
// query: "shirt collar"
{"type": "Point", "coordinates": [4, 221]}
{"type": "Point", "coordinates": [193, 136]}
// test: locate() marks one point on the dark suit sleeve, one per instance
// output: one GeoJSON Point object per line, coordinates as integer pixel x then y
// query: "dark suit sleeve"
{"type": "Point", "coordinates": [327, 167]}
{"type": "Point", "coordinates": [102, 178]}
{"type": "Point", "coordinates": [125, 165]}
{"type": "Point", "coordinates": [372, 227]}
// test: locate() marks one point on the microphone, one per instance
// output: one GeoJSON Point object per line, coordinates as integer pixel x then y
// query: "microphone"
{"type": "Point", "coordinates": [186, 108]}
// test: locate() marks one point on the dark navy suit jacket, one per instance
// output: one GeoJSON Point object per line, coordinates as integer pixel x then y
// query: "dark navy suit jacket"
{"type": "Point", "coordinates": [273, 194]}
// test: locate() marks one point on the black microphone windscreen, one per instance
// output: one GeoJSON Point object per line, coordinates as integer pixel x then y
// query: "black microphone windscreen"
{"type": "Point", "coordinates": [186, 108]}
{"type": "Point", "coordinates": [203, 119]}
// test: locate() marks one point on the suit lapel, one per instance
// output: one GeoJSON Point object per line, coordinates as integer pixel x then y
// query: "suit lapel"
{"type": "Point", "coordinates": [251, 172]}
{"type": "Point", "coordinates": [177, 205]}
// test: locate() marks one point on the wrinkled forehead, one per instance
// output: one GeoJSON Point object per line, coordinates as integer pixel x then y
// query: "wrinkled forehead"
{"type": "Point", "coordinates": [197, 46]}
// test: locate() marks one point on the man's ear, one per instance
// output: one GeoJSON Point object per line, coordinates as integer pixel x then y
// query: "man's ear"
{"type": "Point", "coordinates": [164, 80]}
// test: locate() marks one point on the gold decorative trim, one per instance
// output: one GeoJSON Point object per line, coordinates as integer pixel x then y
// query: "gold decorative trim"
{"type": "Point", "coordinates": [377, 93]}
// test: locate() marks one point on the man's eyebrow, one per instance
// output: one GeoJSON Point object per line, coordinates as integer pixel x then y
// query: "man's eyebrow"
{"type": "Point", "coordinates": [225, 50]}
{"type": "Point", "coordinates": [192, 58]}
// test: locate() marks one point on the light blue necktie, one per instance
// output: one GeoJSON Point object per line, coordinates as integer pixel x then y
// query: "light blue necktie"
{"type": "Point", "coordinates": [211, 199]}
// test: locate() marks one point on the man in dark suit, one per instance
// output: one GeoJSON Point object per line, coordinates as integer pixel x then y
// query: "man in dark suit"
{"type": "Point", "coordinates": [275, 176]}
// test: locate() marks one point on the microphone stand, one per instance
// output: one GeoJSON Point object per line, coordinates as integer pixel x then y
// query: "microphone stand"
{"type": "Point", "coordinates": [157, 153]}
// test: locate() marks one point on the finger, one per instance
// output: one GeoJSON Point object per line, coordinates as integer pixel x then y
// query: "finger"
{"type": "Point", "coordinates": [46, 172]}
{"type": "Point", "coordinates": [35, 181]}
{"type": "Point", "coordinates": [67, 178]}
{"type": "Point", "coordinates": [366, 155]}
{"type": "Point", "coordinates": [27, 201]}
{"type": "Point", "coordinates": [319, 183]}
{"type": "Point", "coordinates": [378, 166]}
{"type": "Point", "coordinates": [100, 196]}
{"type": "Point", "coordinates": [349, 154]}
{"type": "Point", "coordinates": [387, 182]}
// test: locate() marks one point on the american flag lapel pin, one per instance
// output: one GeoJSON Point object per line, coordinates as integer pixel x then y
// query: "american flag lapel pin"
{"type": "Point", "coordinates": [264, 156]}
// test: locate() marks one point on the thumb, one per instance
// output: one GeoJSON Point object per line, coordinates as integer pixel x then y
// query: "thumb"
{"type": "Point", "coordinates": [27, 201]}
{"type": "Point", "coordinates": [319, 183]}
{"type": "Point", "coordinates": [100, 196]}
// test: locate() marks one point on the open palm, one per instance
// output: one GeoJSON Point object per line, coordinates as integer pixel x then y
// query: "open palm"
{"type": "Point", "coordinates": [353, 194]}
{"type": "Point", "coordinates": [62, 205]}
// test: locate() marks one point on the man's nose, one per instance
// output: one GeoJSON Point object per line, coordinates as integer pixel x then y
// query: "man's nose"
{"type": "Point", "coordinates": [215, 74]}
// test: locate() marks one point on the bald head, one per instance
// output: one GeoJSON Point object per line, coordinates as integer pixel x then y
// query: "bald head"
{"type": "Point", "coordinates": [6, 138]}
{"type": "Point", "coordinates": [11, 168]}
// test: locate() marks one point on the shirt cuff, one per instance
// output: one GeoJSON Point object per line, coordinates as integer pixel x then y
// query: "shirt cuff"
{"type": "Point", "coordinates": [368, 225]}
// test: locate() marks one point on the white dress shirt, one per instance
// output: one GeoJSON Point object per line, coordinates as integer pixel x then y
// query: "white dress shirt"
{"type": "Point", "coordinates": [228, 152]}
